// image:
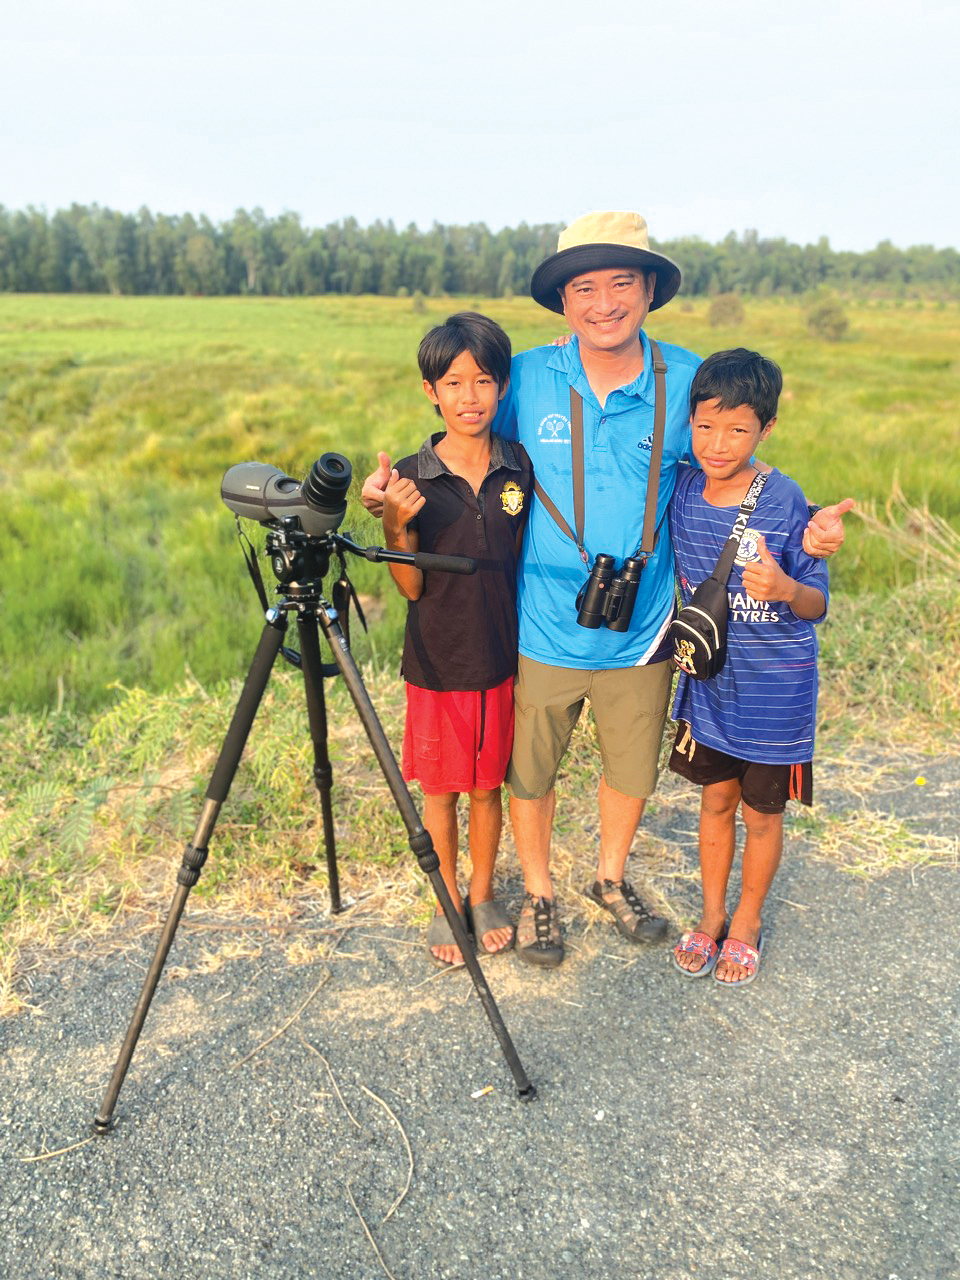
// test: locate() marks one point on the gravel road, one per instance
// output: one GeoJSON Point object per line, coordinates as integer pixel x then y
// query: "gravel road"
{"type": "Point", "coordinates": [805, 1127]}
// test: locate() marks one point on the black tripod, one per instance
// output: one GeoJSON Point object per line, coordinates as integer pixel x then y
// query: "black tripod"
{"type": "Point", "coordinates": [307, 557]}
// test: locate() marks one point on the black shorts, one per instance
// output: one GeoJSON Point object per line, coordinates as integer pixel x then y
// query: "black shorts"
{"type": "Point", "coordinates": [764, 787]}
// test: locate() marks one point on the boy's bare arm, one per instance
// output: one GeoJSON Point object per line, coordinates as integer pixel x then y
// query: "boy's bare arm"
{"type": "Point", "coordinates": [401, 502]}
{"type": "Point", "coordinates": [765, 580]}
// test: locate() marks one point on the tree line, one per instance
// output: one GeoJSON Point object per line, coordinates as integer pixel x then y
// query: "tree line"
{"type": "Point", "coordinates": [89, 249]}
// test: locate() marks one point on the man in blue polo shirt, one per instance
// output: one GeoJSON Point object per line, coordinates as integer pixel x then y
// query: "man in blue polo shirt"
{"type": "Point", "coordinates": [604, 279]}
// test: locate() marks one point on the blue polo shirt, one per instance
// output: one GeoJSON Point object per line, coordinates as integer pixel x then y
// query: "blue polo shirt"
{"type": "Point", "coordinates": [617, 440]}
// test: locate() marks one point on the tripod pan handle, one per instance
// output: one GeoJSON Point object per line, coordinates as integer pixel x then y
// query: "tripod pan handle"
{"type": "Point", "coordinates": [447, 564]}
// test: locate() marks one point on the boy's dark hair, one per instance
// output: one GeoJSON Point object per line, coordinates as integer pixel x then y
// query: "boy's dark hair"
{"type": "Point", "coordinates": [466, 331]}
{"type": "Point", "coordinates": [739, 377]}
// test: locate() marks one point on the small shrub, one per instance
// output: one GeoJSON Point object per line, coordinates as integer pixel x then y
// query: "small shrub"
{"type": "Point", "coordinates": [418, 304]}
{"type": "Point", "coordinates": [827, 319]}
{"type": "Point", "coordinates": [725, 309]}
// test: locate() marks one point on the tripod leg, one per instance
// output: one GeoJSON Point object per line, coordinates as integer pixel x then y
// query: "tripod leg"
{"type": "Point", "coordinates": [420, 841]}
{"type": "Point", "coordinates": [317, 716]}
{"type": "Point", "coordinates": [195, 853]}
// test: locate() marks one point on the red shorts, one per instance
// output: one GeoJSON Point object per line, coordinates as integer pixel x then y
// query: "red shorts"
{"type": "Point", "coordinates": [459, 740]}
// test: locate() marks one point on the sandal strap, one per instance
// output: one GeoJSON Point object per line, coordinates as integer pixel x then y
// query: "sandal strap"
{"type": "Point", "coordinates": [485, 916]}
{"type": "Point", "coordinates": [740, 953]}
{"type": "Point", "coordinates": [627, 904]}
{"type": "Point", "coordinates": [699, 944]}
{"type": "Point", "coordinates": [542, 913]}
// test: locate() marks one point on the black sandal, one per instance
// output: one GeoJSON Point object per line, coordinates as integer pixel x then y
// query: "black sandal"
{"type": "Point", "coordinates": [631, 916]}
{"type": "Point", "coordinates": [538, 932]}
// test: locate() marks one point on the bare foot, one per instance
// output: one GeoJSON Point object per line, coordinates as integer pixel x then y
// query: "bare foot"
{"type": "Point", "coordinates": [445, 952]}
{"type": "Point", "coordinates": [447, 955]}
{"type": "Point", "coordinates": [496, 938]}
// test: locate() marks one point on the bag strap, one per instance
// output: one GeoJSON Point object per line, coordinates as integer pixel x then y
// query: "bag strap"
{"type": "Point", "coordinates": [576, 442]}
{"type": "Point", "coordinates": [649, 540]}
{"type": "Point", "coordinates": [732, 544]}
{"type": "Point", "coordinates": [650, 528]}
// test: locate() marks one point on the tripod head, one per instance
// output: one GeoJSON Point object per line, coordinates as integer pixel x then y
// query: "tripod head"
{"type": "Point", "coordinates": [300, 561]}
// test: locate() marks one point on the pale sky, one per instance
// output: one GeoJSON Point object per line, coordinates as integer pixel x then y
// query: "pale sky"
{"type": "Point", "coordinates": [836, 119]}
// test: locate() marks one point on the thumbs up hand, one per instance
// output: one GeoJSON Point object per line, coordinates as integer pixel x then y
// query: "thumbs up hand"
{"type": "Point", "coordinates": [764, 579]}
{"type": "Point", "coordinates": [371, 495]}
{"type": "Point", "coordinates": [824, 534]}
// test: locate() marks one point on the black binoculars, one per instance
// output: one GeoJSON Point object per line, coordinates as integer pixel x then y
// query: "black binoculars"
{"type": "Point", "coordinates": [609, 594]}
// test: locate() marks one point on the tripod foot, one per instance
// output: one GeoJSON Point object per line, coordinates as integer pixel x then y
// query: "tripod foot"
{"type": "Point", "coordinates": [101, 1127]}
{"type": "Point", "coordinates": [528, 1094]}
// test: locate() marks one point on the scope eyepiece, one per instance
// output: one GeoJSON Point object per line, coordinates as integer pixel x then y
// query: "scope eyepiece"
{"type": "Point", "coordinates": [328, 483]}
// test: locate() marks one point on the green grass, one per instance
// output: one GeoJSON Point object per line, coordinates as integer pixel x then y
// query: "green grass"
{"type": "Point", "coordinates": [96, 808]}
{"type": "Point", "coordinates": [118, 417]}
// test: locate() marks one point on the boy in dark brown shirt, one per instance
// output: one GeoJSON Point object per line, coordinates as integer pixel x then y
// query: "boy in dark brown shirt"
{"type": "Point", "coordinates": [466, 492]}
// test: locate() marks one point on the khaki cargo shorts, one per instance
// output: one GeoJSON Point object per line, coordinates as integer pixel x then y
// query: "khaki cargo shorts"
{"type": "Point", "coordinates": [629, 707]}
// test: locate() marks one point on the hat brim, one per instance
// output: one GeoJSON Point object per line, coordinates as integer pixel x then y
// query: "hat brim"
{"type": "Point", "coordinates": [554, 272]}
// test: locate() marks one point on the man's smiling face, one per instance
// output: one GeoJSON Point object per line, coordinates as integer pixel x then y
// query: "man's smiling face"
{"type": "Point", "coordinates": [606, 309]}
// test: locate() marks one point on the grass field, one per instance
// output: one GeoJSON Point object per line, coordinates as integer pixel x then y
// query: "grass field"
{"type": "Point", "coordinates": [118, 417]}
{"type": "Point", "coordinates": [119, 563]}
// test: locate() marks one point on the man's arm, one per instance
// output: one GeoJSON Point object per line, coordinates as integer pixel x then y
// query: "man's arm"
{"type": "Point", "coordinates": [824, 534]}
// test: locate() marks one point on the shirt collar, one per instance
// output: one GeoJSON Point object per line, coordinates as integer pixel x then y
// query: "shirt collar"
{"type": "Point", "coordinates": [430, 464]}
{"type": "Point", "coordinates": [566, 360]}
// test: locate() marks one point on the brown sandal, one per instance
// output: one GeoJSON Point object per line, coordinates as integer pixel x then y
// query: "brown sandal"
{"type": "Point", "coordinates": [633, 919]}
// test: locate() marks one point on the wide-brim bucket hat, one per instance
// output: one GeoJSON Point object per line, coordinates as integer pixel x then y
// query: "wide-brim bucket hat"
{"type": "Point", "coordinates": [598, 242]}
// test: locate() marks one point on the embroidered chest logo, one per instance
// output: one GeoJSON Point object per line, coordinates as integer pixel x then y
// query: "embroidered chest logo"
{"type": "Point", "coordinates": [554, 429]}
{"type": "Point", "coordinates": [646, 443]}
{"type": "Point", "coordinates": [511, 498]}
{"type": "Point", "coordinates": [748, 546]}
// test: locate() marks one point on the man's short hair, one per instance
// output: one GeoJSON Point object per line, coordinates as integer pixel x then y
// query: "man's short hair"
{"type": "Point", "coordinates": [466, 331]}
{"type": "Point", "coordinates": [738, 377]}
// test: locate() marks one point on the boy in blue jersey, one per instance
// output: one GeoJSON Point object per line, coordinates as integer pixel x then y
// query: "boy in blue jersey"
{"type": "Point", "coordinates": [746, 735]}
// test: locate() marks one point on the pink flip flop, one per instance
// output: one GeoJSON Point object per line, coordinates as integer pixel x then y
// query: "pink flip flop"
{"type": "Point", "coordinates": [699, 944]}
{"type": "Point", "coordinates": [741, 953]}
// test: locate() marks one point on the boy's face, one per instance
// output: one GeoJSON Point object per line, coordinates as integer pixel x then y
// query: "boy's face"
{"type": "Point", "coordinates": [466, 397]}
{"type": "Point", "coordinates": [724, 440]}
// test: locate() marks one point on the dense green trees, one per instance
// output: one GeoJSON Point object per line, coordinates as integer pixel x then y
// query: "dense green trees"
{"type": "Point", "coordinates": [88, 249]}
